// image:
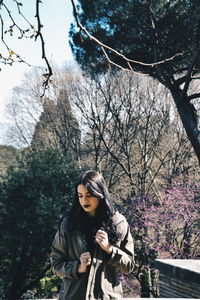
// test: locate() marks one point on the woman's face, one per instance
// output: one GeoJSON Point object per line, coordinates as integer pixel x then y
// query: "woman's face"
{"type": "Point", "coordinates": [88, 202]}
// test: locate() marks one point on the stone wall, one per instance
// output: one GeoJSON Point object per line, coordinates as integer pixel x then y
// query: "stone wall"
{"type": "Point", "coordinates": [179, 278]}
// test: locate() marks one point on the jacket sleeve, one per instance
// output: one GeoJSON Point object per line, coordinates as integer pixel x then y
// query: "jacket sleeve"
{"type": "Point", "coordinates": [122, 257]}
{"type": "Point", "coordinates": [60, 263]}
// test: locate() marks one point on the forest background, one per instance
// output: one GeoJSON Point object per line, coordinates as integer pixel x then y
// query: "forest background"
{"type": "Point", "coordinates": [122, 124]}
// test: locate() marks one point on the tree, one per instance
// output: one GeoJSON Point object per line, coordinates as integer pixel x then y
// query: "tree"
{"type": "Point", "coordinates": [48, 122]}
{"type": "Point", "coordinates": [33, 200]}
{"type": "Point", "coordinates": [57, 127]}
{"type": "Point", "coordinates": [152, 37]}
{"type": "Point", "coordinates": [130, 134]}
{"type": "Point", "coordinates": [8, 158]}
{"type": "Point", "coordinates": [24, 109]}
{"type": "Point", "coordinates": [169, 229]}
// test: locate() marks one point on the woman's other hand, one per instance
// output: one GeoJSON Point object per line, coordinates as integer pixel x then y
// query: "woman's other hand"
{"type": "Point", "coordinates": [85, 260]}
{"type": "Point", "coordinates": [102, 239]}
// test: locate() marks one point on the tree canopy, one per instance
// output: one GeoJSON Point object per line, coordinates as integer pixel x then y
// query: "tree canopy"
{"type": "Point", "coordinates": [144, 31]}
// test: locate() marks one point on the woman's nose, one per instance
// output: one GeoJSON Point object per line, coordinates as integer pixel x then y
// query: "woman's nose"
{"type": "Point", "coordinates": [85, 199]}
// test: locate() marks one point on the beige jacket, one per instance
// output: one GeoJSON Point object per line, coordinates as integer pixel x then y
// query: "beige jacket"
{"type": "Point", "coordinates": [101, 281]}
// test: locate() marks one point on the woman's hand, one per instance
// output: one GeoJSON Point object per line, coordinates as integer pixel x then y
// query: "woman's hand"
{"type": "Point", "coordinates": [102, 239]}
{"type": "Point", "coordinates": [85, 260]}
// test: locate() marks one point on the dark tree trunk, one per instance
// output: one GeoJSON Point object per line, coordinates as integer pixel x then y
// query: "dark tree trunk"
{"type": "Point", "coordinates": [189, 118]}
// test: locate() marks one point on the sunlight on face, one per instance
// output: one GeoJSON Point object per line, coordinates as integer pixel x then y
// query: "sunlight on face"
{"type": "Point", "coordinates": [88, 202]}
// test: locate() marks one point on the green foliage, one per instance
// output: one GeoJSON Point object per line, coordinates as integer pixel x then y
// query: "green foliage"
{"type": "Point", "coordinates": [33, 200]}
{"type": "Point", "coordinates": [142, 30]}
{"type": "Point", "coordinates": [48, 286]}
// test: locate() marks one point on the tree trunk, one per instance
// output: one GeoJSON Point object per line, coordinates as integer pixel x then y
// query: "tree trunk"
{"type": "Point", "coordinates": [189, 118]}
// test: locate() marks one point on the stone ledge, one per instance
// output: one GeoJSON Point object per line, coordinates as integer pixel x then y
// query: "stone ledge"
{"type": "Point", "coordinates": [179, 278]}
{"type": "Point", "coordinates": [183, 269]}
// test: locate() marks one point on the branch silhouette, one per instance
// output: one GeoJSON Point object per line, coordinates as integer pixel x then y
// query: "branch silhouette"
{"type": "Point", "coordinates": [11, 56]}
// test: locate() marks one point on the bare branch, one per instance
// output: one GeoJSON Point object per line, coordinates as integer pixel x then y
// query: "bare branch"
{"type": "Point", "coordinates": [29, 32]}
{"type": "Point", "coordinates": [194, 96]}
{"type": "Point", "coordinates": [118, 66]}
{"type": "Point", "coordinates": [11, 54]}
{"type": "Point", "coordinates": [49, 72]}
{"type": "Point", "coordinates": [20, 13]}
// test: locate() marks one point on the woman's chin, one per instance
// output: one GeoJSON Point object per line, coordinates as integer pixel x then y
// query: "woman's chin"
{"type": "Point", "coordinates": [89, 211]}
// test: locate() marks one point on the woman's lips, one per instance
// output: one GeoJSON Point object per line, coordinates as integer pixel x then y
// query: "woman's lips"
{"type": "Point", "coordinates": [86, 205]}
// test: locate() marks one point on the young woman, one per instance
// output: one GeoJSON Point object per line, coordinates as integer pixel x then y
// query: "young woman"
{"type": "Point", "coordinates": [92, 245]}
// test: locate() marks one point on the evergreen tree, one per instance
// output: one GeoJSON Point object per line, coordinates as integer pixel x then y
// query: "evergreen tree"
{"type": "Point", "coordinates": [57, 127]}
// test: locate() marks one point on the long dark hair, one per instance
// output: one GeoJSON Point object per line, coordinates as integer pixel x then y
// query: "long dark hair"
{"type": "Point", "coordinates": [79, 219]}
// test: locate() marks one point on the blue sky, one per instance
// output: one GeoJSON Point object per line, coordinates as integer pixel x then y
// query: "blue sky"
{"type": "Point", "coordinates": [56, 16]}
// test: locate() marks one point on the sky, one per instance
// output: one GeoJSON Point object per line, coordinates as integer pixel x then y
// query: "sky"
{"type": "Point", "coordinates": [56, 17]}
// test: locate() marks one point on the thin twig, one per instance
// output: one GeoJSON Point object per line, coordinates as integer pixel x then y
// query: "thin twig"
{"type": "Point", "coordinates": [117, 65]}
{"type": "Point", "coordinates": [20, 13]}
